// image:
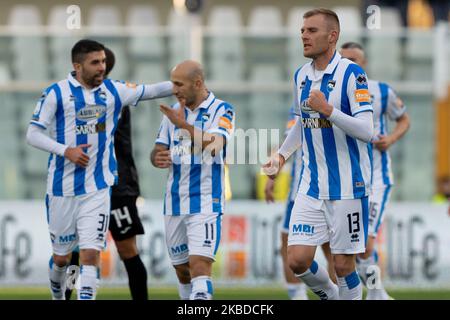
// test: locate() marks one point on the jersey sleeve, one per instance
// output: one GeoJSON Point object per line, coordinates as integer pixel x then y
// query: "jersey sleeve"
{"type": "Point", "coordinates": [223, 122]}
{"type": "Point", "coordinates": [163, 136]}
{"type": "Point", "coordinates": [129, 93]}
{"type": "Point", "coordinates": [44, 112]}
{"type": "Point", "coordinates": [395, 106]}
{"type": "Point", "coordinates": [290, 121]}
{"type": "Point", "coordinates": [358, 90]}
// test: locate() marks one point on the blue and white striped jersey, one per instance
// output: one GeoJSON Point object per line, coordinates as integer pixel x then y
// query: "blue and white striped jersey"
{"type": "Point", "coordinates": [196, 183]}
{"type": "Point", "coordinates": [335, 165]}
{"type": "Point", "coordinates": [385, 104]}
{"type": "Point", "coordinates": [297, 163]}
{"type": "Point", "coordinates": [74, 115]}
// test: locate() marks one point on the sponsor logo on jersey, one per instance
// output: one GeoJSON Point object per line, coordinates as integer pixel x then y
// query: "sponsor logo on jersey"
{"type": "Point", "coordinates": [102, 95]}
{"type": "Point", "coordinates": [362, 95]}
{"type": "Point", "coordinates": [92, 128]}
{"type": "Point", "coordinates": [91, 112]}
{"type": "Point", "coordinates": [331, 84]}
{"type": "Point", "coordinates": [225, 123]}
{"type": "Point", "coordinates": [302, 84]}
{"type": "Point", "coordinates": [179, 249]}
{"type": "Point", "coordinates": [67, 238]}
{"type": "Point", "coordinates": [316, 123]}
{"type": "Point", "coordinates": [354, 237]}
{"type": "Point", "coordinates": [361, 79]}
{"type": "Point", "coordinates": [306, 108]}
{"type": "Point", "coordinates": [302, 229]}
{"type": "Point", "coordinates": [205, 117]}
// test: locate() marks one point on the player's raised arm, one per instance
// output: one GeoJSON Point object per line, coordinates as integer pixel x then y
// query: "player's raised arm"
{"type": "Point", "coordinates": [130, 93]}
{"type": "Point", "coordinates": [359, 123]}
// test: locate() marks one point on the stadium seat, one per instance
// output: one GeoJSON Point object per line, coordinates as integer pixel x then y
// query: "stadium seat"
{"type": "Point", "coordinates": [26, 50]}
{"type": "Point", "coordinates": [144, 47]}
{"type": "Point", "coordinates": [100, 18]}
{"type": "Point", "coordinates": [149, 72]}
{"type": "Point", "coordinates": [384, 49]}
{"type": "Point", "coordinates": [419, 55]}
{"type": "Point", "coordinates": [350, 23]}
{"type": "Point", "coordinates": [60, 45]}
{"type": "Point", "coordinates": [5, 74]}
{"type": "Point", "coordinates": [268, 109]}
{"type": "Point", "coordinates": [265, 27]}
{"type": "Point", "coordinates": [294, 46]}
{"type": "Point", "coordinates": [224, 47]}
{"type": "Point", "coordinates": [179, 27]}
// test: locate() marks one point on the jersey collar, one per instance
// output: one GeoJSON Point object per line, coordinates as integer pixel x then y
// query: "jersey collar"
{"type": "Point", "coordinates": [206, 103]}
{"type": "Point", "coordinates": [329, 69]}
{"type": "Point", "coordinates": [76, 83]}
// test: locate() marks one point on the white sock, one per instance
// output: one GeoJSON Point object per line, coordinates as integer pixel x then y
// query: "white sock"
{"type": "Point", "coordinates": [184, 290]}
{"type": "Point", "coordinates": [202, 288]}
{"type": "Point", "coordinates": [88, 282]}
{"type": "Point", "coordinates": [297, 291]}
{"type": "Point", "coordinates": [373, 282]}
{"type": "Point", "coordinates": [318, 280]}
{"type": "Point", "coordinates": [57, 276]}
{"type": "Point", "coordinates": [350, 287]}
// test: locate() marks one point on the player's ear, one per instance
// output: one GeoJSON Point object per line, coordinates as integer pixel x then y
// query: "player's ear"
{"type": "Point", "coordinates": [333, 36]}
{"type": "Point", "coordinates": [77, 66]}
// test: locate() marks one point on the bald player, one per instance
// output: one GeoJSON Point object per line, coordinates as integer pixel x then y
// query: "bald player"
{"type": "Point", "coordinates": [386, 104]}
{"type": "Point", "coordinates": [191, 144]}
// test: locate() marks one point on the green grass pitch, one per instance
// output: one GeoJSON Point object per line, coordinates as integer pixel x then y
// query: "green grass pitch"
{"type": "Point", "coordinates": [268, 293]}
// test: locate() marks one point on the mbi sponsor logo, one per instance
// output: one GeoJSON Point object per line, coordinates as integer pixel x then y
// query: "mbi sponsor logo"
{"type": "Point", "coordinates": [303, 229]}
{"type": "Point", "coordinates": [179, 249]}
{"type": "Point", "coordinates": [67, 238]}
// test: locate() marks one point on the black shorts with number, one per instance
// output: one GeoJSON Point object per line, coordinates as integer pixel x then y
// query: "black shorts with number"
{"type": "Point", "coordinates": [125, 222]}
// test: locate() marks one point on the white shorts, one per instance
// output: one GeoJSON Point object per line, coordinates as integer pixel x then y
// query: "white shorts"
{"type": "Point", "coordinates": [81, 220]}
{"type": "Point", "coordinates": [192, 234]}
{"type": "Point", "coordinates": [341, 222]}
{"type": "Point", "coordinates": [378, 199]}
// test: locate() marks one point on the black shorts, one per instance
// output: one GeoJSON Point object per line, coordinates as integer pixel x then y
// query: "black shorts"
{"type": "Point", "coordinates": [125, 222]}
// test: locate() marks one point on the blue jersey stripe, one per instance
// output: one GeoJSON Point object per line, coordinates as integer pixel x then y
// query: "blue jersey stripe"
{"type": "Point", "coordinates": [217, 187]}
{"type": "Point", "coordinates": [98, 170]}
{"type": "Point", "coordinates": [60, 138]}
{"type": "Point", "coordinates": [176, 172]}
{"type": "Point", "coordinates": [195, 173]}
{"type": "Point", "coordinates": [47, 208]}
{"type": "Point", "coordinates": [117, 110]}
{"type": "Point", "coordinates": [314, 183]}
{"type": "Point", "coordinates": [384, 157]}
{"type": "Point", "coordinates": [37, 124]}
{"type": "Point", "coordinates": [80, 173]}
{"type": "Point", "coordinates": [365, 216]}
{"type": "Point", "coordinates": [370, 153]}
{"type": "Point", "coordinates": [359, 187]}
{"type": "Point", "coordinates": [218, 231]}
{"type": "Point", "coordinates": [329, 147]}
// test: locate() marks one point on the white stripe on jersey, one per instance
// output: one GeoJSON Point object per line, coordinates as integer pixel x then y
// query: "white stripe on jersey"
{"type": "Point", "coordinates": [335, 165]}
{"type": "Point", "coordinates": [74, 115]}
{"type": "Point", "coordinates": [297, 163]}
{"type": "Point", "coordinates": [192, 186]}
{"type": "Point", "coordinates": [385, 104]}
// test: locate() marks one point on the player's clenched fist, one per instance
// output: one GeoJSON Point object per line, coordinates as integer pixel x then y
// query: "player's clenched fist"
{"type": "Point", "coordinates": [162, 159]}
{"type": "Point", "coordinates": [319, 103]}
{"type": "Point", "coordinates": [77, 155]}
{"type": "Point", "coordinates": [274, 165]}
